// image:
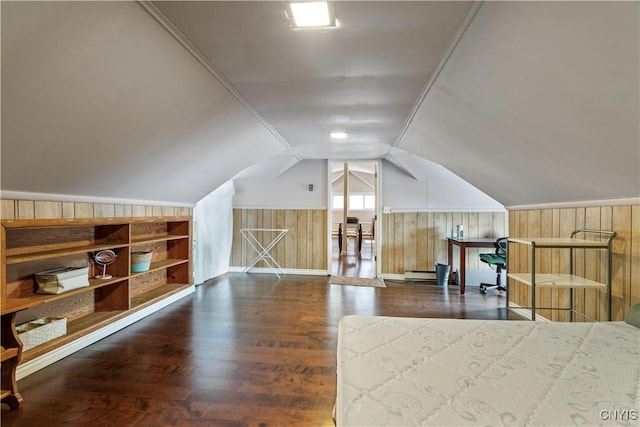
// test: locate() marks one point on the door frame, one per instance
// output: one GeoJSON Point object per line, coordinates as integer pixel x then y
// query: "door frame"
{"type": "Point", "coordinates": [377, 211]}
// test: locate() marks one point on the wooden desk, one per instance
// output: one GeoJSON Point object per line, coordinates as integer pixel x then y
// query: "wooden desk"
{"type": "Point", "coordinates": [464, 244]}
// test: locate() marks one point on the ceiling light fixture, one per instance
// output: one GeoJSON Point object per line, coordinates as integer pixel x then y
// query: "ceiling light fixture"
{"type": "Point", "coordinates": [339, 135]}
{"type": "Point", "coordinates": [311, 14]}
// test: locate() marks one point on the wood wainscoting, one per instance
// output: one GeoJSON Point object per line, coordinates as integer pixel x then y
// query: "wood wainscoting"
{"type": "Point", "coordinates": [625, 285]}
{"type": "Point", "coordinates": [417, 240]}
{"type": "Point", "coordinates": [304, 247]}
{"type": "Point", "coordinates": [410, 240]}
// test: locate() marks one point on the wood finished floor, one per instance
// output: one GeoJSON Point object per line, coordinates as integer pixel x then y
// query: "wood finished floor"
{"type": "Point", "coordinates": [350, 264]}
{"type": "Point", "coordinates": [244, 349]}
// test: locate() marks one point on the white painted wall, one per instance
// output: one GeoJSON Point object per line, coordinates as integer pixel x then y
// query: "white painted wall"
{"type": "Point", "coordinates": [213, 234]}
{"type": "Point", "coordinates": [434, 188]}
{"type": "Point", "coordinates": [259, 188]}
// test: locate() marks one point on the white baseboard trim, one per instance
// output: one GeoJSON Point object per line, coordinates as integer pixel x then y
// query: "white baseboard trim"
{"type": "Point", "coordinates": [474, 277]}
{"type": "Point", "coordinates": [53, 356]}
{"type": "Point", "coordinates": [302, 272]}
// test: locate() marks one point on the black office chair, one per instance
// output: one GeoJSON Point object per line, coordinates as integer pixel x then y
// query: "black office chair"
{"type": "Point", "coordinates": [497, 260]}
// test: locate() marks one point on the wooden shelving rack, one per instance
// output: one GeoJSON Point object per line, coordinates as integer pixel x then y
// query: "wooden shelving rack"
{"type": "Point", "coordinates": [30, 246]}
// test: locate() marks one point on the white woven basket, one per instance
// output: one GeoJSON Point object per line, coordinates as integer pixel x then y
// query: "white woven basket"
{"type": "Point", "coordinates": [40, 331]}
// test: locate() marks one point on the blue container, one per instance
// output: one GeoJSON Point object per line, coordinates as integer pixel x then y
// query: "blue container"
{"type": "Point", "coordinates": [140, 261]}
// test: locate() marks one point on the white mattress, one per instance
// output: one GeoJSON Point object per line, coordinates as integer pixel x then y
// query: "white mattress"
{"type": "Point", "coordinates": [406, 371]}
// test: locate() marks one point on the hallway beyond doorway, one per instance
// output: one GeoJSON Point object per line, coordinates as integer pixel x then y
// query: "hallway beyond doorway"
{"type": "Point", "coordinates": [349, 264]}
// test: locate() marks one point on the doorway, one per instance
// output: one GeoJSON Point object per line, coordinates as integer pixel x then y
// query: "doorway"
{"type": "Point", "coordinates": [354, 201]}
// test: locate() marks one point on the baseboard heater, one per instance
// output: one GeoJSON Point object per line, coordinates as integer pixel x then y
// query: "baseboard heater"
{"type": "Point", "coordinates": [419, 275]}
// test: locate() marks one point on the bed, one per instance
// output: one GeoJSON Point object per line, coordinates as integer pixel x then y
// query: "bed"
{"type": "Point", "coordinates": [409, 371]}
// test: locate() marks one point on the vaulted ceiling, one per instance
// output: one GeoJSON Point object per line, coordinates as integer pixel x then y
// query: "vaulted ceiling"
{"type": "Point", "coordinates": [531, 102]}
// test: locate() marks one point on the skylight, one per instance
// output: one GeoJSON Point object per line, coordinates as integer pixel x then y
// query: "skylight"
{"type": "Point", "coordinates": [311, 14]}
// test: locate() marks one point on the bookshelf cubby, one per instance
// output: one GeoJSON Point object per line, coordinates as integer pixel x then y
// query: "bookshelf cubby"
{"type": "Point", "coordinates": [30, 246]}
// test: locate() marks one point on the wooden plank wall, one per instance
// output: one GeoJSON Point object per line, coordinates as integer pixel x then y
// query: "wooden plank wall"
{"type": "Point", "coordinates": [35, 209]}
{"type": "Point", "coordinates": [304, 247]}
{"type": "Point", "coordinates": [624, 220]}
{"type": "Point", "coordinates": [417, 240]}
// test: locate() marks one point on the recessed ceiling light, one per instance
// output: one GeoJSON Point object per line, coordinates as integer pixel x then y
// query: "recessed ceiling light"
{"type": "Point", "coordinates": [311, 14]}
{"type": "Point", "coordinates": [339, 135]}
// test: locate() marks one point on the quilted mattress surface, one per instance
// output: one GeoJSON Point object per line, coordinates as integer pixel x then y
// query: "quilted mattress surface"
{"type": "Point", "coordinates": [408, 371]}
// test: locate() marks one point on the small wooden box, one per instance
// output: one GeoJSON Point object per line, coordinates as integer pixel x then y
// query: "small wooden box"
{"type": "Point", "coordinates": [40, 331]}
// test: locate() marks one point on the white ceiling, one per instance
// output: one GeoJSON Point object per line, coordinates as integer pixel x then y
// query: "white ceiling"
{"type": "Point", "coordinates": [531, 102]}
{"type": "Point", "coordinates": [362, 77]}
{"type": "Point", "coordinates": [540, 103]}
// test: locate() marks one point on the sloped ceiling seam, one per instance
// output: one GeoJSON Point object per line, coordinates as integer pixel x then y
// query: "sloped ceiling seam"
{"type": "Point", "coordinates": [434, 76]}
{"type": "Point", "coordinates": [199, 56]}
{"type": "Point", "coordinates": [292, 162]}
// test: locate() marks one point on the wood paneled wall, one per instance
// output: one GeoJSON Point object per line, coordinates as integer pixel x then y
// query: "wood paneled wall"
{"type": "Point", "coordinates": [624, 220]}
{"type": "Point", "coordinates": [304, 247]}
{"type": "Point", "coordinates": [30, 209]}
{"type": "Point", "coordinates": [417, 240]}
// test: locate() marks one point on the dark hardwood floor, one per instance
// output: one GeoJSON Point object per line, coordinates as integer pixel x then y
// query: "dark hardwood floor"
{"type": "Point", "coordinates": [244, 349]}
